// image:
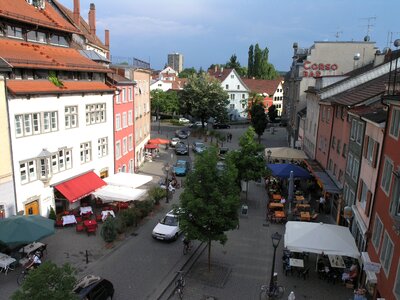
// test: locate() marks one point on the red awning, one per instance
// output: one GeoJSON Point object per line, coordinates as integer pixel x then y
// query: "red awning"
{"type": "Point", "coordinates": [80, 186]}
{"type": "Point", "coordinates": [151, 146]}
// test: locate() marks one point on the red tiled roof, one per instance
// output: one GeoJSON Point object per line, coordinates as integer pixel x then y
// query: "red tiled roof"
{"type": "Point", "coordinates": [46, 87]}
{"type": "Point", "coordinates": [220, 74]}
{"type": "Point", "coordinates": [261, 86]}
{"type": "Point", "coordinates": [20, 10]}
{"type": "Point", "coordinates": [22, 54]}
{"type": "Point", "coordinates": [375, 112]}
{"type": "Point", "coordinates": [116, 78]}
{"type": "Point", "coordinates": [361, 93]}
{"type": "Point", "coordinates": [83, 26]}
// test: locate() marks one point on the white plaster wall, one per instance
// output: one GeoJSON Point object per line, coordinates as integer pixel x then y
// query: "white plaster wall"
{"type": "Point", "coordinates": [25, 148]}
{"type": "Point", "coordinates": [239, 112]}
{"type": "Point", "coordinates": [278, 103]}
{"type": "Point", "coordinates": [160, 85]}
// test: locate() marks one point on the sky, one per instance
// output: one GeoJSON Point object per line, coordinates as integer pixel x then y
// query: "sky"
{"type": "Point", "coordinates": [210, 31]}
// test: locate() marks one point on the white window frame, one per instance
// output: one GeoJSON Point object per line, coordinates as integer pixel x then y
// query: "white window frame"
{"type": "Point", "coordinates": [71, 116]}
{"type": "Point", "coordinates": [363, 196]}
{"type": "Point", "coordinates": [395, 198]}
{"type": "Point", "coordinates": [28, 171]}
{"type": "Point", "coordinates": [394, 123]}
{"type": "Point", "coordinates": [124, 145]}
{"type": "Point", "coordinates": [377, 233]}
{"type": "Point", "coordinates": [130, 142]}
{"type": "Point", "coordinates": [370, 150]}
{"type": "Point", "coordinates": [86, 152]}
{"type": "Point", "coordinates": [123, 95]}
{"type": "Point", "coordinates": [349, 166]}
{"type": "Point", "coordinates": [130, 117]}
{"type": "Point", "coordinates": [356, 166]}
{"type": "Point", "coordinates": [396, 286]}
{"type": "Point", "coordinates": [386, 254]}
{"type": "Point", "coordinates": [386, 175]}
{"type": "Point", "coordinates": [117, 122]}
{"type": "Point", "coordinates": [102, 147]}
{"type": "Point", "coordinates": [95, 113]}
{"type": "Point", "coordinates": [118, 149]}
{"type": "Point", "coordinates": [130, 95]}
{"type": "Point", "coordinates": [124, 120]}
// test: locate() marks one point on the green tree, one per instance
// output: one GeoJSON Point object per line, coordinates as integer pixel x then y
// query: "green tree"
{"type": "Point", "coordinates": [272, 113]}
{"type": "Point", "coordinates": [250, 62]}
{"type": "Point", "coordinates": [249, 159]}
{"type": "Point", "coordinates": [109, 230]}
{"type": "Point", "coordinates": [164, 102]}
{"type": "Point", "coordinates": [257, 61]}
{"type": "Point", "coordinates": [233, 63]}
{"type": "Point", "coordinates": [258, 119]}
{"type": "Point", "coordinates": [157, 193]}
{"type": "Point", "coordinates": [203, 97]}
{"type": "Point", "coordinates": [187, 72]}
{"type": "Point", "coordinates": [210, 202]}
{"type": "Point", "coordinates": [48, 282]}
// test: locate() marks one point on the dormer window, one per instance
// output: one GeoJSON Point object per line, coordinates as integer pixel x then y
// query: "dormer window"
{"type": "Point", "coordinates": [36, 36]}
{"type": "Point", "coordinates": [37, 3]}
{"type": "Point", "coordinates": [58, 40]}
{"type": "Point", "coordinates": [14, 32]}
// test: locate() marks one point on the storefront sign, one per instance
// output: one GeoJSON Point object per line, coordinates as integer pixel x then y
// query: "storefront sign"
{"type": "Point", "coordinates": [315, 69]}
{"type": "Point", "coordinates": [372, 266]}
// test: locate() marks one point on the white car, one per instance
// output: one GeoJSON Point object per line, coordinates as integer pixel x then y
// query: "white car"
{"type": "Point", "coordinates": [174, 141]}
{"type": "Point", "coordinates": [198, 124]}
{"type": "Point", "coordinates": [167, 228]}
{"type": "Point", "coordinates": [183, 120]}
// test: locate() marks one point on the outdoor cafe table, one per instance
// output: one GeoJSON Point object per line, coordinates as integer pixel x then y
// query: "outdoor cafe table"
{"type": "Point", "coordinates": [303, 207]}
{"type": "Point", "coordinates": [5, 262]}
{"type": "Point", "coordinates": [295, 262]}
{"type": "Point", "coordinates": [69, 219]}
{"type": "Point", "coordinates": [305, 216]}
{"type": "Point", "coordinates": [105, 213]}
{"type": "Point", "coordinates": [276, 197]}
{"type": "Point", "coordinates": [28, 249]}
{"type": "Point", "coordinates": [274, 206]}
{"type": "Point", "coordinates": [299, 198]}
{"type": "Point", "coordinates": [336, 261]}
{"type": "Point", "coordinates": [85, 210]}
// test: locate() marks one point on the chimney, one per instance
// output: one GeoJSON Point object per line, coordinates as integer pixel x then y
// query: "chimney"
{"type": "Point", "coordinates": [77, 12]}
{"type": "Point", "coordinates": [107, 41]}
{"type": "Point", "coordinates": [92, 19]}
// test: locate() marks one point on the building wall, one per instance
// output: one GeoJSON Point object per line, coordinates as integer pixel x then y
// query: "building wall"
{"type": "Point", "coordinates": [278, 98]}
{"type": "Point", "coordinates": [7, 198]}
{"type": "Point", "coordinates": [175, 61]}
{"type": "Point", "coordinates": [311, 126]}
{"type": "Point", "coordinates": [161, 85]}
{"type": "Point", "coordinates": [29, 147]}
{"type": "Point", "coordinates": [323, 136]}
{"type": "Point", "coordinates": [142, 112]}
{"type": "Point", "coordinates": [238, 96]}
{"type": "Point", "coordinates": [124, 138]}
{"type": "Point", "coordinates": [381, 208]}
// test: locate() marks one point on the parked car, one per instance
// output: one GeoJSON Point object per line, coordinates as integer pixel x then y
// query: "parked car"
{"type": "Point", "coordinates": [198, 147]}
{"type": "Point", "coordinates": [222, 152]}
{"type": "Point", "coordinates": [197, 124]}
{"type": "Point", "coordinates": [93, 287]}
{"type": "Point", "coordinates": [167, 228]}
{"type": "Point", "coordinates": [181, 167]}
{"type": "Point", "coordinates": [221, 126]}
{"type": "Point", "coordinates": [183, 120]}
{"type": "Point", "coordinates": [174, 141]}
{"type": "Point", "coordinates": [182, 134]}
{"type": "Point", "coordinates": [181, 149]}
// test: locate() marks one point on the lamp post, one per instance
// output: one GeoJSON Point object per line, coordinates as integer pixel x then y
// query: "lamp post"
{"type": "Point", "coordinates": [167, 183]}
{"type": "Point", "coordinates": [269, 153]}
{"type": "Point", "coordinates": [276, 238]}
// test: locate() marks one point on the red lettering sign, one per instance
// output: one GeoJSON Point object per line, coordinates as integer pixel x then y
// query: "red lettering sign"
{"type": "Point", "coordinates": [317, 68]}
{"type": "Point", "coordinates": [305, 65]}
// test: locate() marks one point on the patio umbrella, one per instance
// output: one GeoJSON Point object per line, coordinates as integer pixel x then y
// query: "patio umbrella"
{"type": "Point", "coordinates": [25, 229]}
{"type": "Point", "coordinates": [151, 146]}
{"type": "Point", "coordinates": [158, 141]}
{"type": "Point", "coordinates": [291, 190]}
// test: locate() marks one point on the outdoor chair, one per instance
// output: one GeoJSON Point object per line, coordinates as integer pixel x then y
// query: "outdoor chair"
{"type": "Point", "coordinates": [79, 227]}
{"type": "Point", "coordinates": [91, 230]}
{"type": "Point", "coordinates": [99, 218]}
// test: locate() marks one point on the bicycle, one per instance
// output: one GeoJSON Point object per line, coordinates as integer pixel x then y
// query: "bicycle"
{"type": "Point", "coordinates": [21, 277]}
{"type": "Point", "coordinates": [180, 284]}
{"type": "Point", "coordinates": [187, 246]}
{"type": "Point", "coordinates": [276, 292]}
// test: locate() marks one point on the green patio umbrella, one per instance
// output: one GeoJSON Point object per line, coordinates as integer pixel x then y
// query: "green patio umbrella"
{"type": "Point", "coordinates": [25, 229]}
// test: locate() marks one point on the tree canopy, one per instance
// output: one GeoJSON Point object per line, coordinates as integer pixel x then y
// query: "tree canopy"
{"type": "Point", "coordinates": [258, 65]}
{"type": "Point", "coordinates": [48, 282]}
{"type": "Point", "coordinates": [210, 202]}
{"type": "Point", "coordinates": [272, 113]}
{"type": "Point", "coordinates": [203, 97]}
{"type": "Point", "coordinates": [258, 119]}
{"type": "Point", "coordinates": [187, 72]}
{"type": "Point", "coordinates": [164, 102]}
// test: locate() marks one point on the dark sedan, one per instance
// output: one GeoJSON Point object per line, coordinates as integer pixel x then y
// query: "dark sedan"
{"type": "Point", "coordinates": [182, 134]}
{"type": "Point", "coordinates": [181, 149]}
{"type": "Point", "coordinates": [221, 126]}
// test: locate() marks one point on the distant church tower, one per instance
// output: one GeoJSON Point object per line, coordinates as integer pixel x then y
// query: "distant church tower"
{"type": "Point", "coordinates": [175, 61]}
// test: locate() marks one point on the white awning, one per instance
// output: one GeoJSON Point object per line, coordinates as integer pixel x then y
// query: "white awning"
{"type": "Point", "coordinates": [119, 193]}
{"type": "Point", "coordinates": [371, 276]}
{"type": "Point", "coordinates": [128, 180]}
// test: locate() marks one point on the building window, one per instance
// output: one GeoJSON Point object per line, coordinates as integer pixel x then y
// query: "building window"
{"type": "Point", "coordinates": [232, 96]}
{"type": "Point", "coordinates": [333, 142]}
{"type": "Point", "coordinates": [130, 142]}
{"type": "Point", "coordinates": [376, 235]}
{"type": "Point", "coordinates": [14, 32]}
{"type": "Point", "coordinates": [71, 116]}
{"type": "Point", "coordinates": [323, 114]}
{"type": "Point", "coordinates": [344, 152]}
{"type": "Point", "coordinates": [386, 252]}
{"type": "Point", "coordinates": [387, 175]}
{"type": "Point", "coordinates": [124, 145]}
{"type": "Point", "coordinates": [36, 36]}
{"type": "Point", "coordinates": [95, 113]}
{"type": "Point", "coordinates": [130, 95]}
{"type": "Point", "coordinates": [227, 86]}
{"type": "Point", "coordinates": [396, 289]}
{"type": "Point", "coordinates": [86, 152]}
{"type": "Point", "coordinates": [118, 149]}
{"type": "Point", "coordinates": [123, 95]}
{"type": "Point", "coordinates": [130, 117]}
{"type": "Point", "coordinates": [330, 164]}
{"type": "Point", "coordinates": [124, 120]}
{"type": "Point", "coordinates": [243, 96]}
{"type": "Point", "coordinates": [102, 147]}
{"type": "Point", "coordinates": [118, 122]}
{"type": "Point", "coordinates": [36, 123]}
{"type": "Point", "coordinates": [363, 195]}
{"type": "Point", "coordinates": [395, 199]}
{"type": "Point", "coordinates": [359, 133]}
{"type": "Point", "coordinates": [395, 123]}
{"type": "Point", "coordinates": [27, 171]}
{"type": "Point", "coordinates": [339, 146]}
{"type": "Point", "coordinates": [232, 76]}
{"type": "Point", "coordinates": [349, 166]}
{"type": "Point", "coordinates": [340, 175]}
{"type": "Point", "coordinates": [353, 131]}
{"type": "Point", "coordinates": [231, 106]}
{"type": "Point", "coordinates": [238, 87]}
{"type": "Point", "coordinates": [328, 115]}
{"type": "Point", "coordinates": [58, 40]}
{"type": "Point", "coordinates": [354, 173]}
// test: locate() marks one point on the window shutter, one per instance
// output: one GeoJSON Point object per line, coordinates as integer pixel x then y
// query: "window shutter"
{"type": "Point", "coordinates": [359, 190]}
{"type": "Point", "coordinates": [365, 149]}
{"type": "Point", "coordinates": [375, 154]}
{"type": "Point", "coordinates": [368, 204]}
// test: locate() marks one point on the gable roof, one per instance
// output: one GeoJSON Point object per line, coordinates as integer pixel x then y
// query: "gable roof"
{"type": "Point", "coordinates": [220, 73]}
{"type": "Point", "coordinates": [48, 17]}
{"type": "Point", "coordinates": [375, 113]}
{"type": "Point", "coordinates": [261, 86]}
{"type": "Point", "coordinates": [21, 54]}
{"type": "Point", "coordinates": [115, 78]}
{"type": "Point", "coordinates": [361, 92]}
{"type": "Point", "coordinates": [83, 26]}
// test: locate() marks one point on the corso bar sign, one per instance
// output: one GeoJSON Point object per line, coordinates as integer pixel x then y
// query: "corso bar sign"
{"type": "Point", "coordinates": [315, 69]}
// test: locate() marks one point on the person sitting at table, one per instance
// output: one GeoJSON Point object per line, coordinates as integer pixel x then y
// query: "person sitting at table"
{"type": "Point", "coordinates": [351, 275]}
{"type": "Point", "coordinates": [283, 200]}
{"type": "Point", "coordinates": [34, 261]}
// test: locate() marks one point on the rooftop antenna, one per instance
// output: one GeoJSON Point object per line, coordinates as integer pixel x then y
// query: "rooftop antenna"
{"type": "Point", "coordinates": [337, 34]}
{"type": "Point", "coordinates": [369, 26]}
{"type": "Point", "coordinates": [389, 40]}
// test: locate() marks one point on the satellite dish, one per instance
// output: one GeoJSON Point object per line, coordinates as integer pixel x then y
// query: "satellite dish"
{"type": "Point", "coordinates": [366, 38]}
{"type": "Point", "coordinates": [397, 43]}
{"type": "Point", "coordinates": [357, 56]}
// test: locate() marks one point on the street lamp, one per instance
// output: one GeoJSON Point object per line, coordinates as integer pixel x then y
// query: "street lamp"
{"type": "Point", "coordinates": [269, 153]}
{"type": "Point", "coordinates": [167, 183]}
{"type": "Point", "coordinates": [276, 238]}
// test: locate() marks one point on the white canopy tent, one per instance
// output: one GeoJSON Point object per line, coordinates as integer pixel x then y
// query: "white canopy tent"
{"type": "Point", "coordinates": [128, 180]}
{"type": "Point", "coordinates": [320, 238]}
{"type": "Point", "coordinates": [285, 153]}
{"type": "Point", "coordinates": [119, 193]}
